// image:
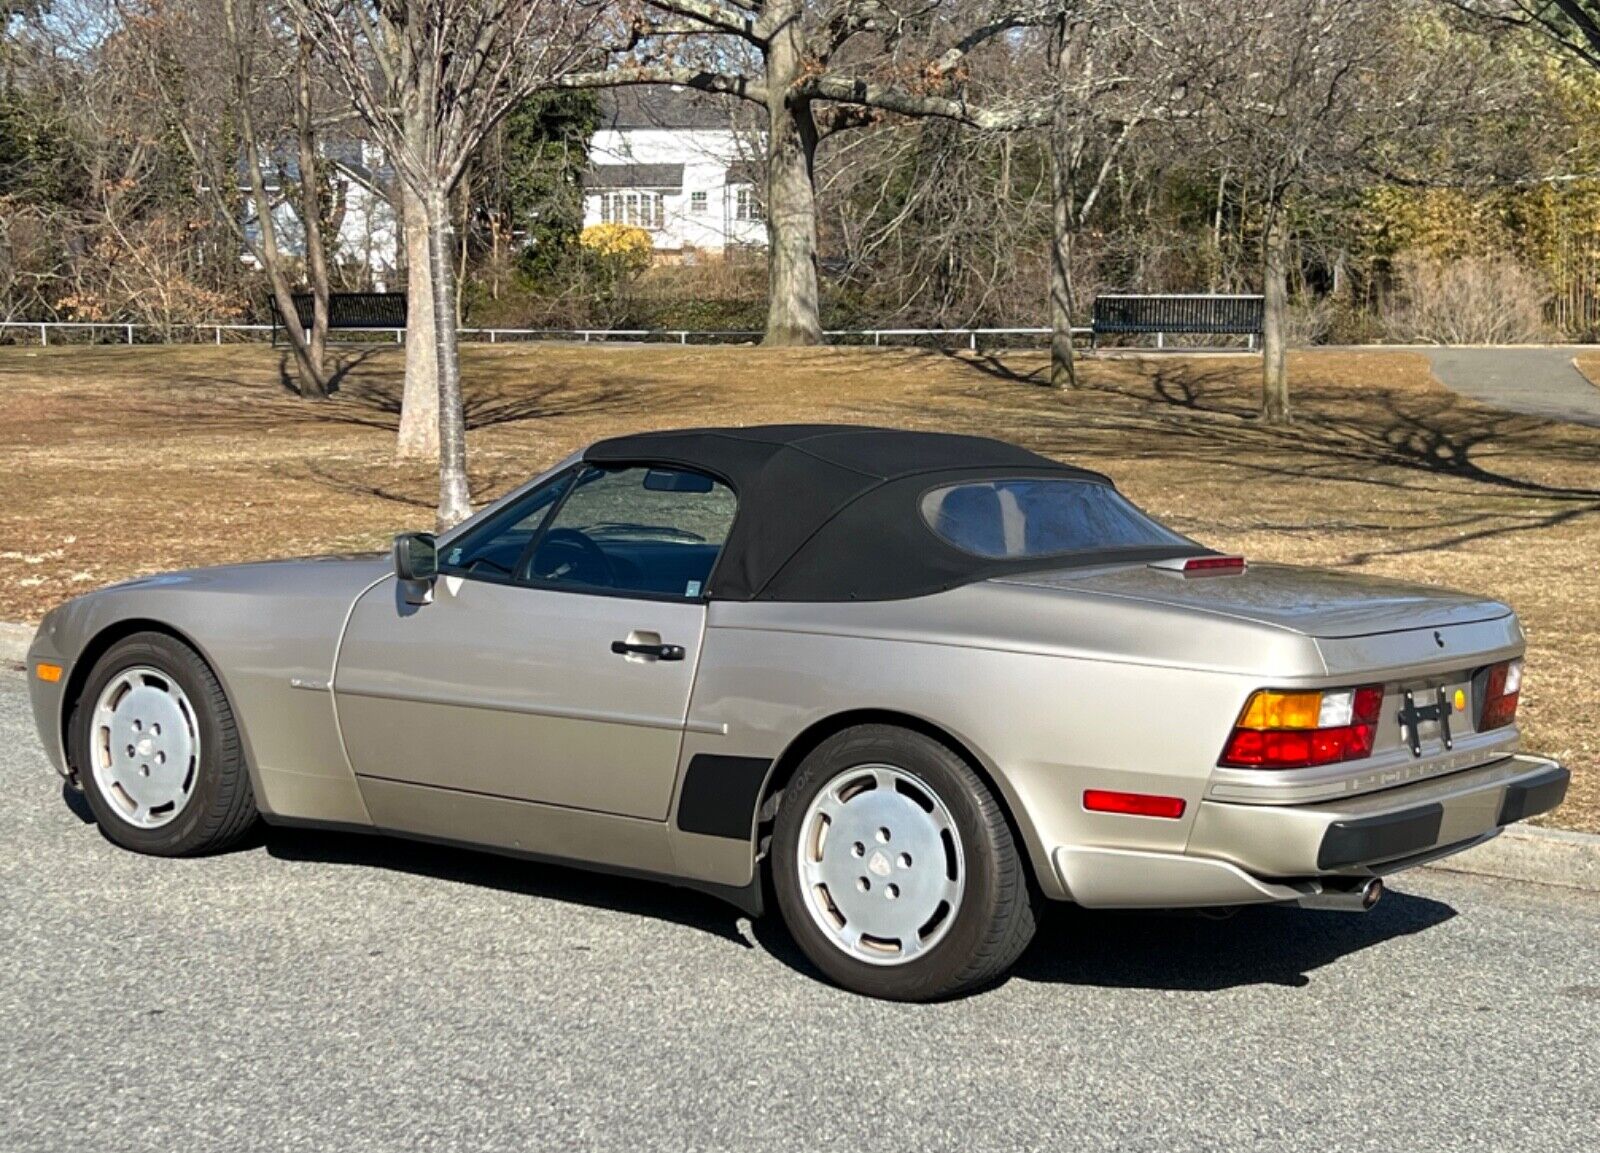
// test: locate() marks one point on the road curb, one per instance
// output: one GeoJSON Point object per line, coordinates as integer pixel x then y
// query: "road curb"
{"type": "Point", "coordinates": [1521, 853]}
{"type": "Point", "coordinates": [1538, 855]}
{"type": "Point", "coordinates": [14, 641]}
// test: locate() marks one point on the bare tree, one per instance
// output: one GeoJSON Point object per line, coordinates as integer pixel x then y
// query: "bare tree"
{"type": "Point", "coordinates": [1117, 70]}
{"type": "Point", "coordinates": [224, 148]}
{"type": "Point", "coordinates": [812, 65]}
{"type": "Point", "coordinates": [1298, 107]}
{"type": "Point", "coordinates": [431, 78]}
{"type": "Point", "coordinates": [1572, 26]}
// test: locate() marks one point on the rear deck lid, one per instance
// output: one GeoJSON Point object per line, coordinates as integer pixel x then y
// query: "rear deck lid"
{"type": "Point", "coordinates": [1313, 602]}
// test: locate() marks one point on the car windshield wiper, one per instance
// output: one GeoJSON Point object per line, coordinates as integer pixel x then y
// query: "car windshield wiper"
{"type": "Point", "coordinates": [623, 528]}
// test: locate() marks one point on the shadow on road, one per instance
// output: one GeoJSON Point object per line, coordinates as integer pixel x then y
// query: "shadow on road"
{"type": "Point", "coordinates": [1125, 950]}
{"type": "Point", "coordinates": [643, 898]}
{"type": "Point", "coordinates": [1272, 945]}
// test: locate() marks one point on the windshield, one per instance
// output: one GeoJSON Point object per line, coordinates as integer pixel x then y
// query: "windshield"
{"type": "Point", "coordinates": [1034, 517]}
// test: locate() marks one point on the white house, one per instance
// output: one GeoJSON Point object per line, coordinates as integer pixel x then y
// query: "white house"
{"type": "Point", "coordinates": [674, 161]}
{"type": "Point", "coordinates": [368, 236]}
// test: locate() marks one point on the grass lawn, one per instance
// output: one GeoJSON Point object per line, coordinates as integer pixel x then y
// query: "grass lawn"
{"type": "Point", "coordinates": [123, 461]}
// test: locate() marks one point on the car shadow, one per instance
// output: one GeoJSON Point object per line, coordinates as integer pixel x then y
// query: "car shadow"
{"type": "Point", "coordinates": [1262, 945]}
{"type": "Point", "coordinates": [1183, 951]}
{"type": "Point", "coordinates": [1180, 951]}
{"type": "Point", "coordinates": [621, 894]}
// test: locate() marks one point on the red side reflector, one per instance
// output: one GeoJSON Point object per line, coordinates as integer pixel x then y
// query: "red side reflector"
{"type": "Point", "coordinates": [1132, 804]}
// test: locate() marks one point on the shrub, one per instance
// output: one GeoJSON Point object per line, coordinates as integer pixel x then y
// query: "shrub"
{"type": "Point", "coordinates": [1472, 300]}
{"type": "Point", "coordinates": [629, 247]}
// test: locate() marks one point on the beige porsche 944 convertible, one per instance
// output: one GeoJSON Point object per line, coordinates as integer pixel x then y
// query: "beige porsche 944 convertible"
{"type": "Point", "coordinates": [906, 685]}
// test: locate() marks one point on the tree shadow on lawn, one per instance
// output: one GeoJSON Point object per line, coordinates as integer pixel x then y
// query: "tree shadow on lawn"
{"type": "Point", "coordinates": [1451, 455]}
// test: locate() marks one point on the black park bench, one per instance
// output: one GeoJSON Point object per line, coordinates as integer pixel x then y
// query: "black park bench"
{"type": "Point", "coordinates": [1201, 315]}
{"type": "Point", "coordinates": [349, 310]}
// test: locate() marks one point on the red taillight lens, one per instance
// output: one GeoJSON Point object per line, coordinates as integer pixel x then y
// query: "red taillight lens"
{"type": "Point", "coordinates": [1500, 694]}
{"type": "Point", "coordinates": [1132, 804]}
{"type": "Point", "coordinates": [1277, 730]}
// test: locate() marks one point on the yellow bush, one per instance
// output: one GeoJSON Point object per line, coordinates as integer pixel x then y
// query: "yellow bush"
{"type": "Point", "coordinates": [624, 242]}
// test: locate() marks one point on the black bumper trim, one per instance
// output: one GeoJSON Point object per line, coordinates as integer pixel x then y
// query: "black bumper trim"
{"type": "Point", "coordinates": [1532, 797]}
{"type": "Point", "coordinates": [1369, 839]}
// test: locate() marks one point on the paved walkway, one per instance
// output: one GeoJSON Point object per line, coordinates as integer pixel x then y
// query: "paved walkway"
{"type": "Point", "coordinates": [1538, 381]}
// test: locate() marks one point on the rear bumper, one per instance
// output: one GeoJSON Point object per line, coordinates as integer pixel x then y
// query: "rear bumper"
{"type": "Point", "coordinates": [1242, 854]}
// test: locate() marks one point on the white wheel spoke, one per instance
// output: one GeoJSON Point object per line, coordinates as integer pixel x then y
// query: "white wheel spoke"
{"type": "Point", "coordinates": [884, 864]}
{"type": "Point", "coordinates": [146, 747]}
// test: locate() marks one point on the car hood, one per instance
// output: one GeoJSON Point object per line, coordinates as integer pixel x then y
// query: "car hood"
{"type": "Point", "coordinates": [1313, 602]}
{"type": "Point", "coordinates": [325, 572]}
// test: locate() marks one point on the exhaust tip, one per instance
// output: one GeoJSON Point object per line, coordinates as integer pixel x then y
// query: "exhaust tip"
{"type": "Point", "coordinates": [1356, 900]}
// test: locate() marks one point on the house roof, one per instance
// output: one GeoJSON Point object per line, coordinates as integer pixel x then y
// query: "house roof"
{"type": "Point", "coordinates": [653, 176]}
{"type": "Point", "coordinates": [664, 106]}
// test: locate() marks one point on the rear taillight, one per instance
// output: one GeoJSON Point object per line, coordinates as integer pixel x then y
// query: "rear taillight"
{"type": "Point", "coordinates": [1279, 730]}
{"type": "Point", "coordinates": [1500, 692]}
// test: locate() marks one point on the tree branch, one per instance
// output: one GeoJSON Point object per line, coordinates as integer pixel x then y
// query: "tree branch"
{"type": "Point", "coordinates": [724, 83]}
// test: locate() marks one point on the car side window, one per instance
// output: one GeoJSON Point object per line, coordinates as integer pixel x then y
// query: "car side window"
{"type": "Point", "coordinates": [495, 549]}
{"type": "Point", "coordinates": [650, 531]}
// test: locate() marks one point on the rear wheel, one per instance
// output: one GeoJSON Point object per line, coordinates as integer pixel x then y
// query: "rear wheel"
{"type": "Point", "coordinates": [157, 750]}
{"type": "Point", "coordinates": [895, 869]}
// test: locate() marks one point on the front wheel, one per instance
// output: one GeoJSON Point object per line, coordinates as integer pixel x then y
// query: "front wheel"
{"type": "Point", "coordinates": [154, 742]}
{"type": "Point", "coordinates": [895, 869]}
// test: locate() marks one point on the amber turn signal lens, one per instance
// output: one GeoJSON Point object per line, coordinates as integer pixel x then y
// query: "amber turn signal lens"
{"type": "Point", "coordinates": [47, 672]}
{"type": "Point", "coordinates": [1270, 710]}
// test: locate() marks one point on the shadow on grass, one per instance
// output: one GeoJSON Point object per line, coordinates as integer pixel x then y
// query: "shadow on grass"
{"type": "Point", "coordinates": [1434, 445]}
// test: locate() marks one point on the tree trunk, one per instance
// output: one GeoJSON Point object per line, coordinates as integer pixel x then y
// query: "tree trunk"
{"type": "Point", "coordinates": [311, 215]}
{"type": "Point", "coordinates": [455, 499]}
{"type": "Point", "coordinates": [307, 358]}
{"type": "Point", "coordinates": [794, 315]}
{"type": "Point", "coordinates": [419, 403]}
{"type": "Point", "coordinates": [1065, 152]}
{"type": "Point", "coordinates": [1275, 287]}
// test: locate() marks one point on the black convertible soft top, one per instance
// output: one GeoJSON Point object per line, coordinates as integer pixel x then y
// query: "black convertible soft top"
{"type": "Point", "coordinates": [830, 512]}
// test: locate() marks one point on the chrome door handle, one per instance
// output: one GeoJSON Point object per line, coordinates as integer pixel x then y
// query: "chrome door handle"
{"type": "Point", "coordinates": [659, 651]}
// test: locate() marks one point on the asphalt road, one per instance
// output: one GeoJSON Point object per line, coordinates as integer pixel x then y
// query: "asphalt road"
{"type": "Point", "coordinates": [339, 992]}
{"type": "Point", "coordinates": [1539, 381]}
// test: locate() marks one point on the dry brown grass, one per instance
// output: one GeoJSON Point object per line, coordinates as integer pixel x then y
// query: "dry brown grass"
{"type": "Point", "coordinates": [1588, 363]}
{"type": "Point", "coordinates": [124, 461]}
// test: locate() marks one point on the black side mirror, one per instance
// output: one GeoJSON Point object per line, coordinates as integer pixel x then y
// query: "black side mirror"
{"type": "Point", "coordinates": [416, 556]}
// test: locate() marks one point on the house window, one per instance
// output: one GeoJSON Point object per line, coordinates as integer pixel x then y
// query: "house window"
{"type": "Point", "coordinates": [639, 209]}
{"type": "Point", "coordinates": [697, 202]}
{"type": "Point", "coordinates": [745, 204]}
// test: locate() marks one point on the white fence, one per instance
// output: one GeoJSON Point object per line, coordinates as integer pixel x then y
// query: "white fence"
{"type": "Point", "coordinates": [39, 331]}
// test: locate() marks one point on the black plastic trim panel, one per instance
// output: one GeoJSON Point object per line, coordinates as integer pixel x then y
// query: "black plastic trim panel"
{"type": "Point", "coordinates": [720, 794]}
{"type": "Point", "coordinates": [1367, 839]}
{"type": "Point", "coordinates": [1532, 797]}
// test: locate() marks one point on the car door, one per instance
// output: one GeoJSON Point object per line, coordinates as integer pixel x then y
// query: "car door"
{"type": "Point", "coordinates": [555, 659]}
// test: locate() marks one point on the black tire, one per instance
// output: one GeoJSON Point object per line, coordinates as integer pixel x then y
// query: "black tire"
{"type": "Point", "coordinates": [996, 917]}
{"type": "Point", "coordinates": [221, 807]}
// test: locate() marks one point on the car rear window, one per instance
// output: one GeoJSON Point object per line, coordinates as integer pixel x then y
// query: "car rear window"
{"type": "Point", "coordinates": [1032, 517]}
